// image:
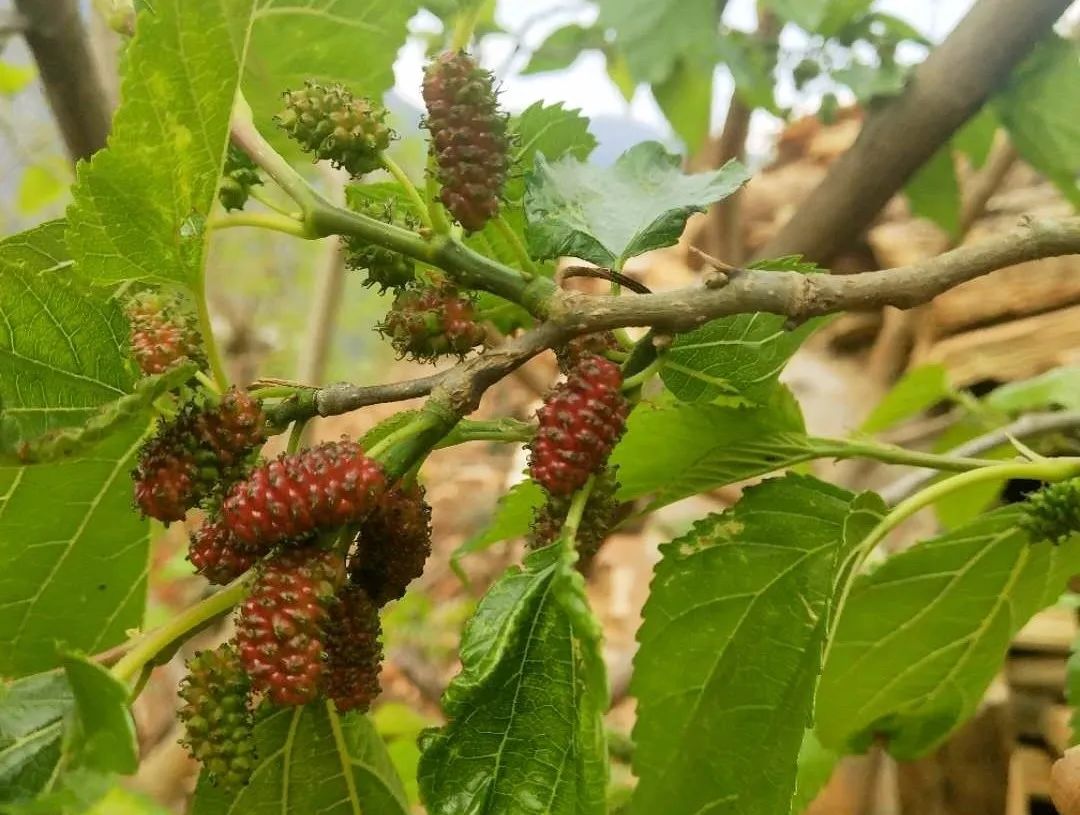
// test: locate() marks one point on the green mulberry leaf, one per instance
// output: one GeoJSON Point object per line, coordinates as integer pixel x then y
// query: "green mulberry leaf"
{"type": "Point", "coordinates": [607, 215]}
{"type": "Point", "coordinates": [731, 647]}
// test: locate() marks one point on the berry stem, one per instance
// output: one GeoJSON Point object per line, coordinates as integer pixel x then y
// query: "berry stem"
{"type": "Point", "coordinates": [641, 377]}
{"type": "Point", "coordinates": [149, 645]}
{"type": "Point", "coordinates": [464, 25]}
{"type": "Point", "coordinates": [439, 222]}
{"type": "Point", "coordinates": [264, 199]}
{"type": "Point", "coordinates": [248, 138]}
{"type": "Point", "coordinates": [262, 220]}
{"type": "Point", "coordinates": [518, 248]}
{"type": "Point", "coordinates": [413, 194]}
{"type": "Point", "coordinates": [206, 329]}
{"type": "Point", "coordinates": [296, 435]}
{"type": "Point", "coordinates": [893, 454]}
{"type": "Point", "coordinates": [208, 383]}
{"type": "Point", "coordinates": [576, 511]}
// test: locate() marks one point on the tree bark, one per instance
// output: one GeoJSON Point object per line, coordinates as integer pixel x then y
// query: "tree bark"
{"type": "Point", "coordinates": [58, 40]}
{"type": "Point", "coordinates": [944, 92]}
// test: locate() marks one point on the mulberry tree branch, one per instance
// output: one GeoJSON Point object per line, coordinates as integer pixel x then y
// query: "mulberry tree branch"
{"type": "Point", "coordinates": [794, 295]}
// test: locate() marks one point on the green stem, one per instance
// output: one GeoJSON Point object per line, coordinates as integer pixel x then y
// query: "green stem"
{"type": "Point", "coordinates": [410, 190]}
{"type": "Point", "coordinates": [518, 248]}
{"type": "Point", "coordinates": [1055, 469]}
{"type": "Point", "coordinates": [419, 424]}
{"type": "Point", "coordinates": [576, 511]}
{"type": "Point", "coordinates": [208, 383]}
{"type": "Point", "coordinates": [642, 376]}
{"type": "Point", "coordinates": [153, 642]}
{"type": "Point", "coordinates": [248, 138]}
{"type": "Point", "coordinates": [296, 435]}
{"type": "Point", "coordinates": [500, 430]}
{"type": "Point", "coordinates": [277, 391]}
{"type": "Point", "coordinates": [892, 454]}
{"type": "Point", "coordinates": [464, 26]}
{"type": "Point", "coordinates": [440, 223]}
{"type": "Point", "coordinates": [261, 220]}
{"type": "Point", "coordinates": [206, 329]}
{"type": "Point", "coordinates": [259, 195]}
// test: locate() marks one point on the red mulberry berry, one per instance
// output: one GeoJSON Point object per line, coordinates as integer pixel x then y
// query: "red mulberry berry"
{"type": "Point", "coordinates": [238, 177]}
{"type": "Point", "coordinates": [165, 481]}
{"type": "Point", "coordinates": [216, 716]}
{"type": "Point", "coordinates": [432, 321]}
{"type": "Point", "coordinates": [468, 137]}
{"type": "Point", "coordinates": [393, 544]}
{"type": "Point", "coordinates": [578, 425]}
{"type": "Point", "coordinates": [597, 519]}
{"type": "Point", "coordinates": [217, 555]}
{"type": "Point", "coordinates": [330, 122]}
{"type": "Point", "coordinates": [280, 631]}
{"type": "Point", "coordinates": [188, 457]}
{"type": "Point", "coordinates": [353, 651]}
{"type": "Point", "coordinates": [294, 496]}
{"type": "Point", "coordinates": [163, 332]}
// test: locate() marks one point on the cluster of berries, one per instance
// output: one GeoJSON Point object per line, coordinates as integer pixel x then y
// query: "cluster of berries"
{"type": "Point", "coordinates": [331, 543]}
{"type": "Point", "coordinates": [330, 540]}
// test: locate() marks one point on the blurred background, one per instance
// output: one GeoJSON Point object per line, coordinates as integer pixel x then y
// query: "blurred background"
{"type": "Point", "coordinates": [287, 308]}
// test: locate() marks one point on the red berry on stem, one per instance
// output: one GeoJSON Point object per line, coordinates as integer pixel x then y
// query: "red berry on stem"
{"type": "Point", "coordinates": [294, 496]}
{"type": "Point", "coordinates": [280, 630]}
{"type": "Point", "coordinates": [468, 137]}
{"type": "Point", "coordinates": [353, 651]}
{"type": "Point", "coordinates": [216, 554]}
{"type": "Point", "coordinates": [203, 447]}
{"type": "Point", "coordinates": [393, 544]}
{"type": "Point", "coordinates": [578, 425]}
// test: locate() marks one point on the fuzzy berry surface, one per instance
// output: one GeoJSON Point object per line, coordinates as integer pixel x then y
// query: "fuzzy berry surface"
{"type": "Point", "coordinates": [295, 496]}
{"type": "Point", "coordinates": [432, 321]}
{"type": "Point", "coordinates": [578, 425]}
{"type": "Point", "coordinates": [353, 651]}
{"type": "Point", "coordinates": [571, 354]}
{"type": "Point", "coordinates": [1053, 513]}
{"type": "Point", "coordinates": [393, 544]}
{"type": "Point", "coordinates": [597, 519]}
{"type": "Point", "coordinates": [163, 332]}
{"type": "Point", "coordinates": [280, 631]}
{"type": "Point", "coordinates": [206, 445]}
{"type": "Point", "coordinates": [335, 126]}
{"type": "Point", "coordinates": [468, 137]}
{"type": "Point", "coordinates": [217, 718]}
{"type": "Point", "coordinates": [238, 177]}
{"type": "Point", "coordinates": [384, 267]}
{"type": "Point", "coordinates": [216, 554]}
